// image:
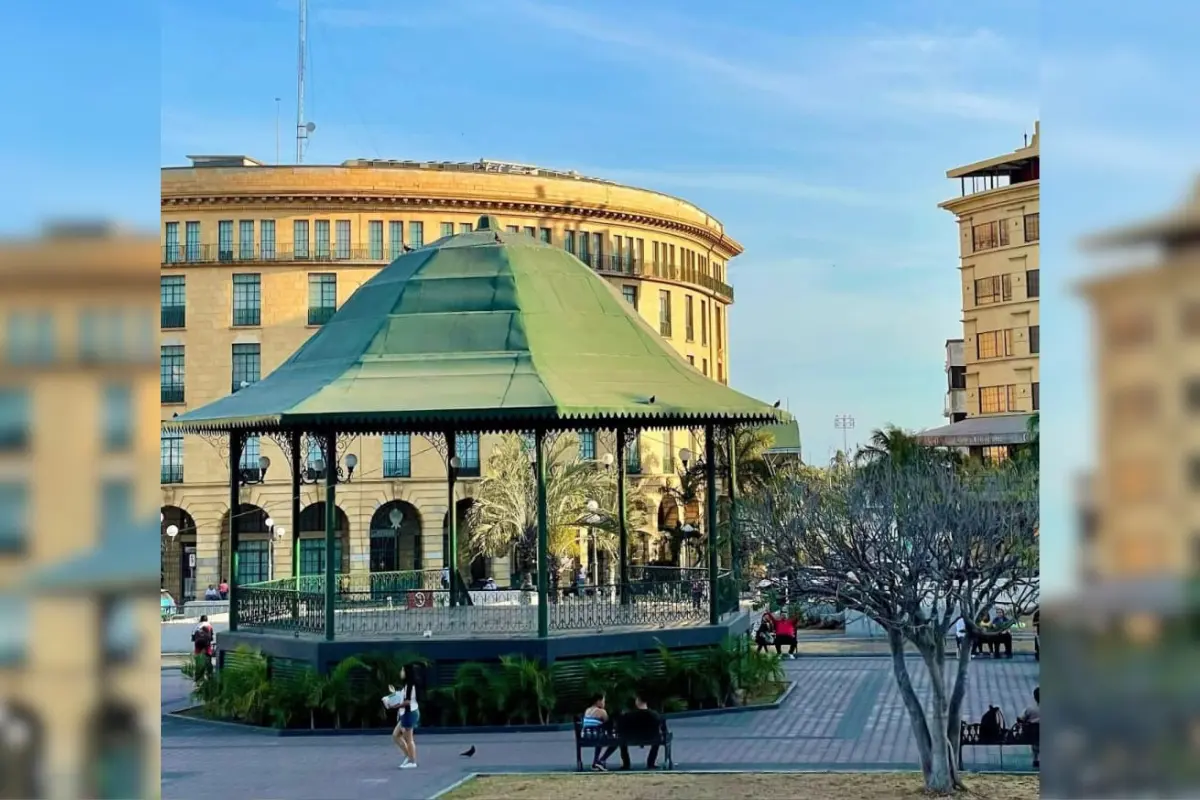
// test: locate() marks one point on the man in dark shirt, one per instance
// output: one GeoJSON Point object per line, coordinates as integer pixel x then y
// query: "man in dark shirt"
{"type": "Point", "coordinates": [640, 723]}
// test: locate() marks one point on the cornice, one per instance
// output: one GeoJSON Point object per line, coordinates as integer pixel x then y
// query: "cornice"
{"type": "Point", "coordinates": [388, 202]}
{"type": "Point", "coordinates": [992, 198]}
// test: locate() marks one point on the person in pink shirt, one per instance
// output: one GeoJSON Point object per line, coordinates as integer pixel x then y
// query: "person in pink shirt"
{"type": "Point", "coordinates": [785, 633]}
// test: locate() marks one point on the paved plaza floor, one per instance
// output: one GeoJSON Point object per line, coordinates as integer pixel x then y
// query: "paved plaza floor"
{"type": "Point", "coordinates": [844, 714]}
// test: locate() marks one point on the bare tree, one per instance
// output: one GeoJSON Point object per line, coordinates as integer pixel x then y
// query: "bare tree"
{"type": "Point", "coordinates": [911, 544]}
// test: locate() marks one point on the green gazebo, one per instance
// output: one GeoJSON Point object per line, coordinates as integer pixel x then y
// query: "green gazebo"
{"type": "Point", "coordinates": [487, 331]}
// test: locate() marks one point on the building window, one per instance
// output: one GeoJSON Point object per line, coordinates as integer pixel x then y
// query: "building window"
{"type": "Point", "coordinates": [314, 455]}
{"type": "Point", "coordinates": [989, 235]}
{"type": "Point", "coordinates": [171, 250]}
{"type": "Point", "coordinates": [704, 366]}
{"type": "Point", "coordinates": [466, 447]}
{"type": "Point", "coordinates": [14, 419]}
{"type": "Point", "coordinates": [464, 227]}
{"type": "Point", "coordinates": [993, 344]}
{"type": "Point", "coordinates": [569, 241]}
{"type": "Point", "coordinates": [598, 247]}
{"type": "Point", "coordinates": [630, 293]}
{"type": "Point", "coordinates": [266, 235]}
{"type": "Point", "coordinates": [249, 463]}
{"type": "Point", "coordinates": [633, 456]}
{"type": "Point", "coordinates": [585, 248]}
{"type": "Point", "coordinates": [664, 312]}
{"type": "Point", "coordinates": [247, 300]}
{"type": "Point", "coordinates": [246, 239]}
{"type": "Point", "coordinates": [547, 235]}
{"type": "Point", "coordinates": [300, 242]}
{"type": "Point", "coordinates": [668, 453]}
{"type": "Point", "coordinates": [171, 457]}
{"type": "Point", "coordinates": [1037, 399]}
{"type": "Point", "coordinates": [997, 399]}
{"type": "Point", "coordinates": [312, 555]}
{"type": "Point", "coordinates": [1130, 330]}
{"type": "Point", "coordinates": [397, 455]}
{"type": "Point", "coordinates": [171, 373]}
{"type": "Point", "coordinates": [341, 241]}
{"type": "Point", "coordinates": [587, 445]}
{"type": "Point", "coordinates": [116, 506]}
{"type": "Point", "coordinates": [416, 234]}
{"type": "Point", "coordinates": [447, 229]}
{"type": "Point", "coordinates": [512, 228]}
{"type": "Point", "coordinates": [192, 238]}
{"type": "Point", "coordinates": [721, 372]}
{"type": "Point", "coordinates": [958, 378]}
{"type": "Point", "coordinates": [1134, 405]}
{"type": "Point", "coordinates": [717, 319]}
{"type": "Point", "coordinates": [14, 517]}
{"type": "Point", "coordinates": [530, 231]}
{"type": "Point", "coordinates": [321, 250]}
{"type": "Point", "coordinates": [246, 365]}
{"type": "Point", "coordinates": [689, 319]}
{"type": "Point", "coordinates": [692, 360]}
{"type": "Point", "coordinates": [30, 337]}
{"type": "Point", "coordinates": [119, 621]}
{"type": "Point", "coordinates": [1032, 227]}
{"type": "Point", "coordinates": [995, 454]}
{"type": "Point", "coordinates": [322, 298]}
{"type": "Point", "coordinates": [225, 240]}
{"type": "Point", "coordinates": [395, 238]}
{"type": "Point", "coordinates": [375, 239]}
{"type": "Point", "coordinates": [172, 299]}
{"type": "Point", "coordinates": [1035, 339]}
{"type": "Point", "coordinates": [1033, 283]}
{"type": "Point", "coordinates": [703, 322]}
{"type": "Point", "coordinates": [254, 560]}
{"type": "Point", "coordinates": [996, 289]}
{"type": "Point", "coordinates": [118, 418]}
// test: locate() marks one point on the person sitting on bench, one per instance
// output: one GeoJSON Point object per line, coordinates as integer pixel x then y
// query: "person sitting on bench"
{"type": "Point", "coordinates": [1001, 636]}
{"type": "Point", "coordinates": [785, 633]}
{"type": "Point", "coordinates": [1033, 716]}
{"type": "Point", "coordinates": [639, 724]}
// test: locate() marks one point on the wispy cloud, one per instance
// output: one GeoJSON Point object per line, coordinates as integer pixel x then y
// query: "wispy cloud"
{"type": "Point", "coordinates": [867, 76]}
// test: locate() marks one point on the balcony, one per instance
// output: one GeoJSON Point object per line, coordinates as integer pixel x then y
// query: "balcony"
{"type": "Point", "coordinates": [956, 403]}
{"type": "Point", "coordinates": [637, 268]}
{"type": "Point", "coordinates": [216, 254]}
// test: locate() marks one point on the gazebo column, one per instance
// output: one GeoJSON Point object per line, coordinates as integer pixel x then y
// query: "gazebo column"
{"type": "Point", "coordinates": [543, 536]}
{"type": "Point", "coordinates": [710, 496]}
{"type": "Point", "coordinates": [236, 439]}
{"type": "Point", "coordinates": [294, 445]}
{"type": "Point", "coordinates": [733, 531]}
{"type": "Point", "coordinates": [450, 558]}
{"type": "Point", "coordinates": [622, 522]}
{"type": "Point", "coordinates": [330, 458]}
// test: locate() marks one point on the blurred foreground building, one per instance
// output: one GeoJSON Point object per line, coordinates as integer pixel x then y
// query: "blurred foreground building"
{"type": "Point", "coordinates": [1146, 334]}
{"type": "Point", "coordinates": [999, 229]}
{"type": "Point", "coordinates": [79, 650]}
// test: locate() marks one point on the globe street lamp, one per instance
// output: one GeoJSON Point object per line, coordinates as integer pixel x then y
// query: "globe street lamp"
{"type": "Point", "coordinates": [248, 476]}
{"type": "Point", "coordinates": [315, 470]}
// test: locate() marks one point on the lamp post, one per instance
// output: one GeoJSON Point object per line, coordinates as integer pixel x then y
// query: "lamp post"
{"type": "Point", "coordinates": [543, 534]}
{"type": "Point", "coordinates": [396, 519]}
{"type": "Point", "coordinates": [248, 476]}
{"type": "Point", "coordinates": [314, 471]}
{"type": "Point", "coordinates": [688, 529]}
{"type": "Point", "coordinates": [593, 519]}
{"type": "Point", "coordinates": [277, 532]}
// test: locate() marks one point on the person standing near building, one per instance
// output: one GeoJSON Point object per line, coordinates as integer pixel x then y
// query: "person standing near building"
{"type": "Point", "coordinates": [409, 717]}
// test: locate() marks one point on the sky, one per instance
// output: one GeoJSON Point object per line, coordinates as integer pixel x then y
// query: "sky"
{"type": "Point", "coordinates": [818, 133]}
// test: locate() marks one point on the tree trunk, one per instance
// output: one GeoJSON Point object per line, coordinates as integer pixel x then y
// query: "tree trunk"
{"type": "Point", "coordinates": [954, 712]}
{"type": "Point", "coordinates": [916, 714]}
{"type": "Point", "coordinates": [940, 778]}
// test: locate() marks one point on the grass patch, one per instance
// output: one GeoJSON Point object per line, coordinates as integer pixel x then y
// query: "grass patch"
{"type": "Point", "coordinates": [735, 786]}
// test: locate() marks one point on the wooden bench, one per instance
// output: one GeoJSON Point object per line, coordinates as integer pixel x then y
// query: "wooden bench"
{"type": "Point", "coordinates": [1021, 734]}
{"type": "Point", "coordinates": [607, 736]}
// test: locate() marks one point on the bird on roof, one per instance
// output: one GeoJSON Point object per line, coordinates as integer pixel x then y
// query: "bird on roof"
{"type": "Point", "coordinates": [497, 239]}
{"type": "Point", "coordinates": [651, 400]}
{"type": "Point", "coordinates": [777, 402]}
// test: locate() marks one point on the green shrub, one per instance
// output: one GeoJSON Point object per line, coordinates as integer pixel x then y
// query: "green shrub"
{"type": "Point", "coordinates": [516, 690]}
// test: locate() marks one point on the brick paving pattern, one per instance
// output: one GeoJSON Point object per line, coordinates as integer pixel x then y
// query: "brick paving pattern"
{"type": "Point", "coordinates": [844, 714]}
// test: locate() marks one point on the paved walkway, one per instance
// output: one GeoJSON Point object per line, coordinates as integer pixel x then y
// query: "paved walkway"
{"type": "Point", "coordinates": [844, 714]}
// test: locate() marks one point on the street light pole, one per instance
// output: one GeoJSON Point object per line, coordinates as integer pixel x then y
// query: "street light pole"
{"type": "Point", "coordinates": [845, 424]}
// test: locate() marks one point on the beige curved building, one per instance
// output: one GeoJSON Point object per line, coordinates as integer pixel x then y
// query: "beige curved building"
{"type": "Point", "coordinates": [255, 258]}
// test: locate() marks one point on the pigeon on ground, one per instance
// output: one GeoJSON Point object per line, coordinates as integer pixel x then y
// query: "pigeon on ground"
{"type": "Point", "coordinates": [470, 751]}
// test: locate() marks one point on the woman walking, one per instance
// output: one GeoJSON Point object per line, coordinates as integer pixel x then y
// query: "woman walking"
{"type": "Point", "coordinates": [409, 717]}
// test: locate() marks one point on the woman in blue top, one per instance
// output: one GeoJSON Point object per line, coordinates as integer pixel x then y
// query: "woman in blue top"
{"type": "Point", "coordinates": [594, 721]}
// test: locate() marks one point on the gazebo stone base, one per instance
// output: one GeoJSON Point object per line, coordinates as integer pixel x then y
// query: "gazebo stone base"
{"type": "Point", "coordinates": [447, 650]}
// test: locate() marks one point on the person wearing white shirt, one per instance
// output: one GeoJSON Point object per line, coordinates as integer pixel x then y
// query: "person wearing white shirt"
{"type": "Point", "coordinates": [409, 716]}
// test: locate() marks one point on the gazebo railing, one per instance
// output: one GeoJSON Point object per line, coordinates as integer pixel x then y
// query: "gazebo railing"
{"type": "Point", "coordinates": [413, 603]}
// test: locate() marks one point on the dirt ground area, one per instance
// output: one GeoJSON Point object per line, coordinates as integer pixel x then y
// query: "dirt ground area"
{"type": "Point", "coordinates": [735, 786]}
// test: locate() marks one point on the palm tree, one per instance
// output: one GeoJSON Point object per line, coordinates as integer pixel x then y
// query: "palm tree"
{"type": "Point", "coordinates": [750, 447]}
{"type": "Point", "coordinates": [890, 443]}
{"type": "Point", "coordinates": [504, 514]}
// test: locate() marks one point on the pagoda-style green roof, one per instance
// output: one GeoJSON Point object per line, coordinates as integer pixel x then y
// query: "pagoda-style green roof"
{"type": "Point", "coordinates": [487, 330]}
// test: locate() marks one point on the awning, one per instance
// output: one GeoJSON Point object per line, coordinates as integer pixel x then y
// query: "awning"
{"type": "Point", "coordinates": [123, 561]}
{"type": "Point", "coordinates": [980, 432]}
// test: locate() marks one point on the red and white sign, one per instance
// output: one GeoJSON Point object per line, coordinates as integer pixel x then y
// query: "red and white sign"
{"type": "Point", "coordinates": [422, 599]}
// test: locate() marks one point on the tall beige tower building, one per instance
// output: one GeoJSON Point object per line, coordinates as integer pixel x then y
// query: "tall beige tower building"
{"type": "Point", "coordinates": [998, 232]}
